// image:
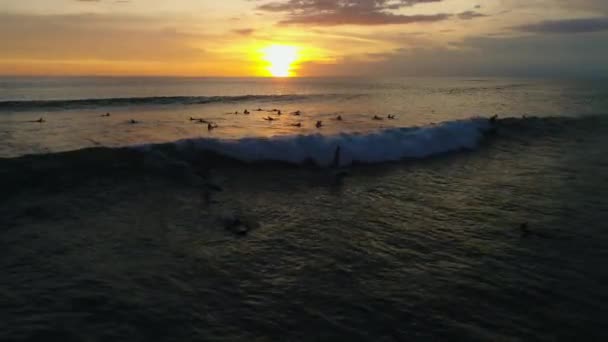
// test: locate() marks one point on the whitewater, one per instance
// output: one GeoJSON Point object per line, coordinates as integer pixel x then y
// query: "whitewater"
{"type": "Point", "coordinates": [382, 146]}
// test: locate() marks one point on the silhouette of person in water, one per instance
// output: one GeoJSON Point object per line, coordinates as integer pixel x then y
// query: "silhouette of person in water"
{"type": "Point", "coordinates": [376, 117]}
{"type": "Point", "coordinates": [336, 161]}
{"type": "Point", "coordinates": [319, 124]}
{"type": "Point", "coordinates": [525, 231]}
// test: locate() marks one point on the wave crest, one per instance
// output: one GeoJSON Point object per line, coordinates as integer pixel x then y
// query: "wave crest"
{"type": "Point", "coordinates": [382, 146]}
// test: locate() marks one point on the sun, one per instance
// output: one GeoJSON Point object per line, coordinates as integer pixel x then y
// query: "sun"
{"type": "Point", "coordinates": [281, 59]}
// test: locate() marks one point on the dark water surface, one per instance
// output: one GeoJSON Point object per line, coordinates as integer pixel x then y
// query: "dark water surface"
{"type": "Point", "coordinates": [123, 245]}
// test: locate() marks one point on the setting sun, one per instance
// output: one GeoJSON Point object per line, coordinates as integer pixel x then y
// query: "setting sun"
{"type": "Point", "coordinates": [281, 59]}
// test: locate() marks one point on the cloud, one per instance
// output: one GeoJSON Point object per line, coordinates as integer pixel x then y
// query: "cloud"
{"type": "Point", "coordinates": [244, 32]}
{"type": "Point", "coordinates": [468, 15]}
{"type": "Point", "coordinates": [526, 56]}
{"type": "Point", "coordinates": [94, 37]}
{"type": "Point", "coordinates": [586, 5]}
{"type": "Point", "coordinates": [378, 18]}
{"type": "Point", "coordinates": [350, 12]}
{"type": "Point", "coordinates": [567, 26]}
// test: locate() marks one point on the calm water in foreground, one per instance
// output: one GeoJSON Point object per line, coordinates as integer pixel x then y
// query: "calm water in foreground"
{"type": "Point", "coordinates": [113, 231]}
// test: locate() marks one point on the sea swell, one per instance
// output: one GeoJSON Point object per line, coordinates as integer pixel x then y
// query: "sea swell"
{"type": "Point", "coordinates": [152, 101]}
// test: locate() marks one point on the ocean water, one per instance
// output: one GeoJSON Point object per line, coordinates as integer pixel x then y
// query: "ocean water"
{"type": "Point", "coordinates": [72, 107]}
{"type": "Point", "coordinates": [372, 230]}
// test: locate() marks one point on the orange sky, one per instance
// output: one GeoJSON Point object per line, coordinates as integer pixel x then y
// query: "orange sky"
{"type": "Point", "coordinates": [349, 37]}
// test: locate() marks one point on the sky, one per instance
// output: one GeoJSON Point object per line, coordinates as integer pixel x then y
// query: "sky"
{"type": "Point", "coordinates": [304, 37]}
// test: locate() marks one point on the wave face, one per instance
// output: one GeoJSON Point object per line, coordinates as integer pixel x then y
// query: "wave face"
{"type": "Point", "coordinates": [376, 147]}
{"type": "Point", "coordinates": [146, 101]}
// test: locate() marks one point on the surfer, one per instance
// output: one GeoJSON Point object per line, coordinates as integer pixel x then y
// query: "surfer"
{"type": "Point", "coordinates": [493, 118]}
{"type": "Point", "coordinates": [211, 126]}
{"type": "Point", "coordinates": [376, 117]}
{"type": "Point", "coordinates": [336, 161]}
{"type": "Point", "coordinates": [299, 124]}
{"type": "Point", "coordinates": [41, 120]}
{"type": "Point", "coordinates": [132, 121]}
{"type": "Point", "coordinates": [269, 118]}
{"type": "Point", "coordinates": [105, 115]}
{"type": "Point", "coordinates": [246, 111]}
{"type": "Point", "coordinates": [259, 109]}
{"type": "Point", "coordinates": [339, 117]}
{"type": "Point", "coordinates": [337, 173]}
{"type": "Point", "coordinates": [319, 124]}
{"type": "Point", "coordinates": [391, 117]}
{"type": "Point", "coordinates": [297, 113]}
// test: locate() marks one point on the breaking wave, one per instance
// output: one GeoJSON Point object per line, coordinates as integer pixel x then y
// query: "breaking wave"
{"type": "Point", "coordinates": [375, 147]}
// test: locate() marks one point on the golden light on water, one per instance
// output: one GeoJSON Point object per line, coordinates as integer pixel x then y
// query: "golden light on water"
{"type": "Point", "coordinates": [281, 59]}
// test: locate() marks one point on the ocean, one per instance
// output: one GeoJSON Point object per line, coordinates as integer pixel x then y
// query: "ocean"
{"type": "Point", "coordinates": [154, 209]}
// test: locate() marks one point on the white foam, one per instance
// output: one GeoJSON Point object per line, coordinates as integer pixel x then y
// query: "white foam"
{"type": "Point", "coordinates": [381, 146]}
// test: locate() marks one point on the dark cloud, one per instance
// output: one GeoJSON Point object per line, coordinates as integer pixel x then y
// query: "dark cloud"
{"type": "Point", "coordinates": [468, 15]}
{"type": "Point", "coordinates": [378, 18]}
{"type": "Point", "coordinates": [567, 26]}
{"type": "Point", "coordinates": [349, 12]}
{"type": "Point", "coordinates": [338, 5]}
{"type": "Point", "coordinates": [527, 56]}
{"type": "Point", "coordinates": [597, 6]}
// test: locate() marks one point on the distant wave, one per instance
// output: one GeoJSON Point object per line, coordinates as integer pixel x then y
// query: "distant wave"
{"type": "Point", "coordinates": [382, 146]}
{"type": "Point", "coordinates": [470, 90]}
{"type": "Point", "coordinates": [143, 101]}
